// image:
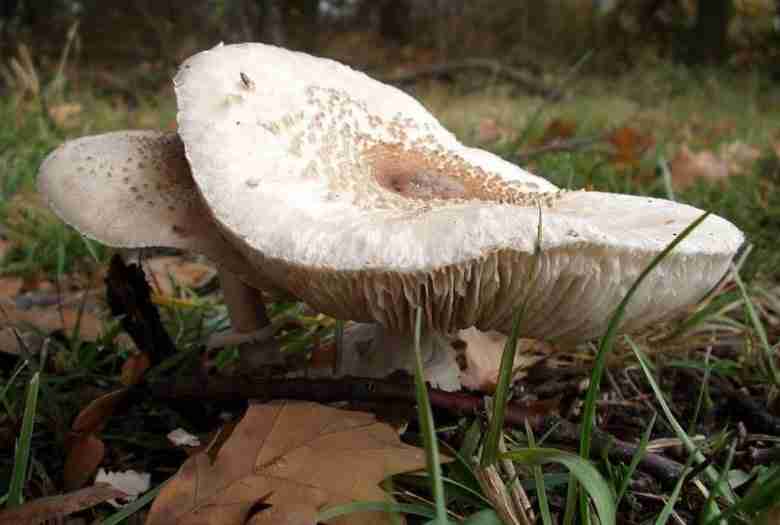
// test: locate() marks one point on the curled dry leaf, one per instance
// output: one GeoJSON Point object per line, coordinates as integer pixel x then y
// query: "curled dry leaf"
{"type": "Point", "coordinates": [55, 507]}
{"type": "Point", "coordinates": [93, 417]}
{"type": "Point", "coordinates": [85, 454]}
{"type": "Point", "coordinates": [165, 274]}
{"type": "Point", "coordinates": [687, 167]}
{"type": "Point", "coordinates": [480, 357]}
{"type": "Point", "coordinates": [297, 458]}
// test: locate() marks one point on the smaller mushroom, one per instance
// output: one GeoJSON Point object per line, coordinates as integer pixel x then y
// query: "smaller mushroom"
{"type": "Point", "coordinates": [133, 189]}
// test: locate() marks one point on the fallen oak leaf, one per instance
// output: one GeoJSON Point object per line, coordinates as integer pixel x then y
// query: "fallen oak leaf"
{"type": "Point", "coordinates": [297, 457]}
{"type": "Point", "coordinates": [629, 145]}
{"type": "Point", "coordinates": [688, 167]}
{"type": "Point", "coordinates": [53, 507]}
{"type": "Point", "coordinates": [480, 357]}
{"type": "Point", "coordinates": [85, 454]}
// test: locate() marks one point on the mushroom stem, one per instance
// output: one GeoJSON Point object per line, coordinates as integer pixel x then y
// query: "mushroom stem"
{"type": "Point", "coordinates": [246, 310]}
{"type": "Point", "coordinates": [245, 304]}
{"type": "Point", "coordinates": [371, 350]}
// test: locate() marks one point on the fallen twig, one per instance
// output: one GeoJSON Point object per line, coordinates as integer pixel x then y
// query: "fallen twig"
{"type": "Point", "coordinates": [752, 413]}
{"type": "Point", "coordinates": [763, 456]}
{"type": "Point", "coordinates": [564, 146]}
{"type": "Point", "coordinates": [376, 390]}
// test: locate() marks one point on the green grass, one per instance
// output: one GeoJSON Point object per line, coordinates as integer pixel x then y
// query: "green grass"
{"type": "Point", "coordinates": [666, 100]}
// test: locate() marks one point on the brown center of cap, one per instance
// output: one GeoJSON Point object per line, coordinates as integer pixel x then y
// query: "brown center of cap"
{"type": "Point", "coordinates": [422, 174]}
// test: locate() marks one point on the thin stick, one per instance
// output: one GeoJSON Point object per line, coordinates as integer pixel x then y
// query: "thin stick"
{"type": "Point", "coordinates": [374, 390]}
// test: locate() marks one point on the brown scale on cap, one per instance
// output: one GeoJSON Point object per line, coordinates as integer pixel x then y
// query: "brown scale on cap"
{"type": "Point", "coordinates": [390, 163]}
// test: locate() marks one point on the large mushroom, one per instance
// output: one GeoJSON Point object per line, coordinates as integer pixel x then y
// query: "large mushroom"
{"type": "Point", "coordinates": [312, 178]}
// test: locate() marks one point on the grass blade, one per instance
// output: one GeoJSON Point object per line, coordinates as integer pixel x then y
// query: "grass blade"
{"type": "Point", "coordinates": [541, 491]}
{"type": "Point", "coordinates": [483, 517]}
{"type": "Point", "coordinates": [663, 517]}
{"type": "Point", "coordinates": [24, 443]}
{"type": "Point", "coordinates": [606, 343]}
{"type": "Point", "coordinates": [640, 453]}
{"type": "Point", "coordinates": [581, 469]}
{"type": "Point", "coordinates": [496, 428]}
{"type": "Point", "coordinates": [21, 366]}
{"type": "Point", "coordinates": [506, 368]}
{"type": "Point", "coordinates": [132, 507]}
{"type": "Point", "coordinates": [605, 346]}
{"type": "Point", "coordinates": [760, 497]}
{"type": "Point", "coordinates": [428, 428]}
{"type": "Point", "coordinates": [666, 175]}
{"type": "Point", "coordinates": [758, 326]}
{"type": "Point", "coordinates": [712, 474]}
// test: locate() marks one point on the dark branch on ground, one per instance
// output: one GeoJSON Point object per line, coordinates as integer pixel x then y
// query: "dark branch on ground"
{"type": "Point", "coordinates": [375, 390]}
{"type": "Point", "coordinates": [565, 146]}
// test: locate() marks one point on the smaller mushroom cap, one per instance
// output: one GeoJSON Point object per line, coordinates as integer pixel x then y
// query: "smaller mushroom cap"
{"type": "Point", "coordinates": [133, 189]}
{"type": "Point", "coordinates": [351, 196]}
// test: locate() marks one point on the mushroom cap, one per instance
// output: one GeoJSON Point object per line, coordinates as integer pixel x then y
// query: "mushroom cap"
{"type": "Point", "coordinates": [350, 195]}
{"type": "Point", "coordinates": [133, 189]}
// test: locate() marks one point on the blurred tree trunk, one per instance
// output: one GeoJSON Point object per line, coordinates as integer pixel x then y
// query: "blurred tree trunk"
{"type": "Point", "coordinates": [711, 30]}
{"type": "Point", "coordinates": [302, 19]}
{"type": "Point", "coordinates": [395, 21]}
{"type": "Point", "coordinates": [273, 23]}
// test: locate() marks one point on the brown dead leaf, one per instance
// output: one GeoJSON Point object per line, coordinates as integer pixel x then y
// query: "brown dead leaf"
{"type": "Point", "coordinates": [687, 167]}
{"type": "Point", "coordinates": [134, 368]}
{"type": "Point", "coordinates": [629, 145]}
{"type": "Point", "coordinates": [93, 417]}
{"type": "Point", "coordinates": [53, 507]}
{"type": "Point", "coordinates": [558, 129]}
{"type": "Point", "coordinates": [490, 130]}
{"type": "Point", "coordinates": [85, 454]}
{"type": "Point", "coordinates": [5, 247]}
{"type": "Point", "coordinates": [45, 320]}
{"type": "Point", "coordinates": [166, 273]}
{"type": "Point", "coordinates": [482, 357]}
{"type": "Point", "coordinates": [66, 115]}
{"type": "Point", "coordinates": [739, 157]}
{"type": "Point", "coordinates": [10, 286]}
{"type": "Point", "coordinates": [298, 457]}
